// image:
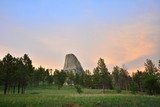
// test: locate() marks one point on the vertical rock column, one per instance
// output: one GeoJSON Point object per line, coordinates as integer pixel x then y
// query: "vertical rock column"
{"type": "Point", "coordinates": [72, 64]}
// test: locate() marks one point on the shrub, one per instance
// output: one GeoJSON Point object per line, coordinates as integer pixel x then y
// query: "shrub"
{"type": "Point", "coordinates": [133, 88]}
{"type": "Point", "coordinates": [78, 89]}
{"type": "Point", "coordinates": [118, 90]}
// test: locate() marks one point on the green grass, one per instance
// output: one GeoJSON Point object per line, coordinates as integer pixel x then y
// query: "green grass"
{"type": "Point", "coordinates": [49, 96]}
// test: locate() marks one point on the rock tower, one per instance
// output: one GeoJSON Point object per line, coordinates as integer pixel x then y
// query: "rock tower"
{"type": "Point", "coordinates": [72, 64]}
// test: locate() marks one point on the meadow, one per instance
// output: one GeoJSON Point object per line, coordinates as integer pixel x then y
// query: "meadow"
{"type": "Point", "coordinates": [50, 96]}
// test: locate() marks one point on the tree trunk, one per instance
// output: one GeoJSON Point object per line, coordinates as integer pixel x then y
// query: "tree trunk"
{"type": "Point", "coordinates": [22, 89]}
{"type": "Point", "coordinates": [14, 87]}
{"type": "Point", "coordinates": [8, 89]}
{"type": "Point", "coordinates": [18, 88]}
{"type": "Point", "coordinates": [103, 88]}
{"type": "Point", "coordinates": [5, 87]}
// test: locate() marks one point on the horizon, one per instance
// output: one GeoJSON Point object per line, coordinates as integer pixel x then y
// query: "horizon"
{"type": "Point", "coordinates": [121, 32]}
{"type": "Point", "coordinates": [91, 70]}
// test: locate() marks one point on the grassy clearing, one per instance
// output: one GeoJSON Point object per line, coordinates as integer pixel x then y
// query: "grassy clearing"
{"type": "Point", "coordinates": [49, 96]}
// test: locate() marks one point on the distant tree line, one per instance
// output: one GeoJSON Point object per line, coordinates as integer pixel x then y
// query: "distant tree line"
{"type": "Point", "coordinates": [18, 73]}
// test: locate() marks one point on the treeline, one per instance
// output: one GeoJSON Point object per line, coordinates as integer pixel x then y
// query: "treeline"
{"type": "Point", "coordinates": [18, 73]}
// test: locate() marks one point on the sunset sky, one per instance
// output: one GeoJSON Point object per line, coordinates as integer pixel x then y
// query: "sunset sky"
{"type": "Point", "coordinates": [122, 32]}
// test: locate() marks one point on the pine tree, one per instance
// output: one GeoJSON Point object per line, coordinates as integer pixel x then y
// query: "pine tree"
{"type": "Point", "coordinates": [105, 77]}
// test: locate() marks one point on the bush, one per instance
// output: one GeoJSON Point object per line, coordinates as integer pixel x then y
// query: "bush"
{"type": "Point", "coordinates": [118, 90]}
{"type": "Point", "coordinates": [133, 88]}
{"type": "Point", "coordinates": [78, 89]}
{"type": "Point", "coordinates": [152, 84]}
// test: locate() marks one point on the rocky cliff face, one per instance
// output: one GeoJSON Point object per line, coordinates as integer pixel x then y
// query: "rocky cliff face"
{"type": "Point", "coordinates": [72, 64]}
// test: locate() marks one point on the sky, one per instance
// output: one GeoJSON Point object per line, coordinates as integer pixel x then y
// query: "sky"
{"type": "Point", "coordinates": [122, 32]}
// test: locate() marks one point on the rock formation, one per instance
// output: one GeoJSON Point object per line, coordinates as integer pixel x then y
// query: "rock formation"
{"type": "Point", "coordinates": [72, 64]}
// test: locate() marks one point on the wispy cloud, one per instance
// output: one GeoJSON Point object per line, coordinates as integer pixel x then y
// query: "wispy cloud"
{"type": "Point", "coordinates": [127, 42]}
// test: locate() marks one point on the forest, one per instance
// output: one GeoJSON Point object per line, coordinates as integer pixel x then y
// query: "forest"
{"type": "Point", "coordinates": [18, 73]}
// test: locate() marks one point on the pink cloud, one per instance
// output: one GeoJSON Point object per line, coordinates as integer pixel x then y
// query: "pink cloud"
{"type": "Point", "coordinates": [117, 43]}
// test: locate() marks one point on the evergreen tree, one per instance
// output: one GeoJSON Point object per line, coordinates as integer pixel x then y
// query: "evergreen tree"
{"type": "Point", "coordinates": [70, 80]}
{"type": "Point", "coordinates": [151, 80]}
{"type": "Point", "coordinates": [96, 78]}
{"type": "Point", "coordinates": [7, 71]}
{"type": "Point", "coordinates": [60, 77]}
{"type": "Point", "coordinates": [116, 77]}
{"type": "Point", "coordinates": [1, 71]}
{"type": "Point", "coordinates": [120, 78]}
{"type": "Point", "coordinates": [88, 79]}
{"type": "Point", "coordinates": [27, 70]}
{"type": "Point", "coordinates": [105, 77]}
{"type": "Point", "coordinates": [138, 80]}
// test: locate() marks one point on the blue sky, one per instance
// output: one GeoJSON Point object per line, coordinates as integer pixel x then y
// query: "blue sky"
{"type": "Point", "coordinates": [120, 31]}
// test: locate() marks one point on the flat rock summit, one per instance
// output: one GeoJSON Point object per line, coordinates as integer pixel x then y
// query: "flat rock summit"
{"type": "Point", "coordinates": [72, 64]}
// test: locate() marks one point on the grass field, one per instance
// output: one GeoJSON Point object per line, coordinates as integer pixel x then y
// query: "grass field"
{"type": "Point", "coordinates": [49, 96]}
